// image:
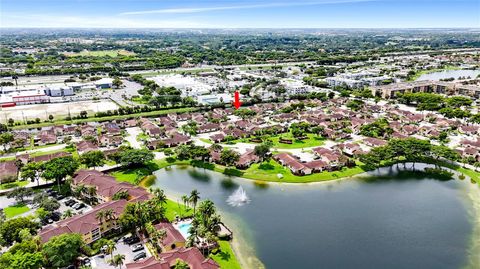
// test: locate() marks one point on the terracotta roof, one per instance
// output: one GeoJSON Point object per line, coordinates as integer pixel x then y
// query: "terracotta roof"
{"type": "Point", "coordinates": [173, 235]}
{"type": "Point", "coordinates": [86, 146]}
{"type": "Point", "coordinates": [191, 256]}
{"type": "Point", "coordinates": [106, 185]}
{"type": "Point", "coordinates": [8, 168]}
{"type": "Point", "coordinates": [82, 224]}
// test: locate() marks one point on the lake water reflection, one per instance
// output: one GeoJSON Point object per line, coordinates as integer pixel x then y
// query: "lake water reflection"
{"type": "Point", "coordinates": [403, 222]}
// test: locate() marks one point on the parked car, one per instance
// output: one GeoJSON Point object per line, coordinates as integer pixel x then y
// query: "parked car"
{"type": "Point", "coordinates": [78, 206]}
{"type": "Point", "coordinates": [132, 240]}
{"type": "Point", "coordinates": [55, 216]}
{"type": "Point", "coordinates": [125, 237]}
{"type": "Point", "coordinates": [137, 247]}
{"type": "Point", "coordinates": [139, 256]}
{"type": "Point", "coordinates": [69, 202]}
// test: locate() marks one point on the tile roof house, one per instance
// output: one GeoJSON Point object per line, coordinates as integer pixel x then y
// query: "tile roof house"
{"type": "Point", "coordinates": [175, 140]}
{"type": "Point", "coordinates": [469, 129]}
{"type": "Point", "coordinates": [374, 142]}
{"type": "Point", "coordinates": [167, 260]}
{"type": "Point", "coordinates": [8, 171]}
{"type": "Point", "coordinates": [88, 130]}
{"type": "Point", "coordinates": [107, 186]}
{"type": "Point", "coordinates": [217, 138]}
{"type": "Point", "coordinates": [112, 128]}
{"type": "Point", "coordinates": [130, 123]}
{"type": "Point", "coordinates": [173, 238]}
{"type": "Point", "coordinates": [87, 225]}
{"type": "Point", "coordinates": [208, 127]}
{"type": "Point", "coordinates": [86, 146]}
{"type": "Point", "coordinates": [297, 168]}
{"type": "Point", "coordinates": [46, 138]}
{"type": "Point", "coordinates": [247, 159]}
{"type": "Point", "coordinates": [110, 140]}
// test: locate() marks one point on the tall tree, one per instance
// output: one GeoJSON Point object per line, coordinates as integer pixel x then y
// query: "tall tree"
{"type": "Point", "coordinates": [118, 260]}
{"type": "Point", "coordinates": [59, 168]}
{"type": "Point", "coordinates": [62, 250]}
{"type": "Point", "coordinates": [93, 158]}
{"type": "Point", "coordinates": [5, 139]}
{"type": "Point", "coordinates": [31, 171]}
{"type": "Point", "coordinates": [194, 198]}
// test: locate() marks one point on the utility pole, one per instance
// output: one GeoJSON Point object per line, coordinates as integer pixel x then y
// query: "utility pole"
{"type": "Point", "coordinates": [23, 116]}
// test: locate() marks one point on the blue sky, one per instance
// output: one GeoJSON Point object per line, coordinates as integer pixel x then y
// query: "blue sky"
{"type": "Point", "coordinates": [240, 14]}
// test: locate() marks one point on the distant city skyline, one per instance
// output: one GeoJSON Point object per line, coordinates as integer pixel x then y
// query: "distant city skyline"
{"type": "Point", "coordinates": [240, 14]}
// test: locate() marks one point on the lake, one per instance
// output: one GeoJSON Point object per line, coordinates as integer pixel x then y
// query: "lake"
{"type": "Point", "coordinates": [449, 74]}
{"type": "Point", "coordinates": [405, 222]}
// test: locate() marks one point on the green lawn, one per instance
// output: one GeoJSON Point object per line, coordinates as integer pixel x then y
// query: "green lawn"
{"type": "Point", "coordinates": [225, 256]}
{"type": "Point", "coordinates": [6, 186]}
{"type": "Point", "coordinates": [269, 171]}
{"type": "Point", "coordinates": [142, 136]}
{"type": "Point", "coordinates": [312, 141]}
{"type": "Point", "coordinates": [42, 146]}
{"type": "Point", "coordinates": [174, 209]}
{"type": "Point", "coordinates": [206, 140]}
{"type": "Point", "coordinates": [15, 210]}
{"type": "Point", "coordinates": [41, 153]}
{"type": "Point", "coordinates": [134, 175]}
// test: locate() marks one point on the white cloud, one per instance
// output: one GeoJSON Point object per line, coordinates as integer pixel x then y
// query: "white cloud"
{"type": "Point", "coordinates": [54, 21]}
{"type": "Point", "coordinates": [218, 8]}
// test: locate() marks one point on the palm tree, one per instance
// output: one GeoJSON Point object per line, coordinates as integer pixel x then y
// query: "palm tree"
{"type": "Point", "coordinates": [110, 248]}
{"type": "Point", "coordinates": [80, 190]}
{"type": "Point", "coordinates": [194, 197]}
{"type": "Point", "coordinates": [92, 192]}
{"type": "Point", "coordinates": [100, 216]}
{"type": "Point", "coordinates": [117, 260]}
{"type": "Point", "coordinates": [19, 164]}
{"type": "Point", "coordinates": [185, 201]}
{"type": "Point", "coordinates": [67, 214]}
{"type": "Point", "coordinates": [109, 214]}
{"type": "Point", "coordinates": [476, 165]}
{"type": "Point", "coordinates": [160, 196]}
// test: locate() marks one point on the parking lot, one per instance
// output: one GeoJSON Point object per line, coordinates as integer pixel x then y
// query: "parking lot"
{"type": "Point", "coordinates": [64, 207]}
{"type": "Point", "coordinates": [101, 261]}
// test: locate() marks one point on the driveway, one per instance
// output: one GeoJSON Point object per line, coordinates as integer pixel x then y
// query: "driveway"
{"type": "Point", "coordinates": [133, 132]}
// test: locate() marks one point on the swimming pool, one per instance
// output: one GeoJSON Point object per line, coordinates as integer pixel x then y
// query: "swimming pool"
{"type": "Point", "coordinates": [183, 228]}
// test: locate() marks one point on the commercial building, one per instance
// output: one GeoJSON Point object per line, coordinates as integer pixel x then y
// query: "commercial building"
{"type": "Point", "coordinates": [26, 97]}
{"type": "Point", "coordinates": [448, 88]}
{"type": "Point", "coordinates": [59, 91]}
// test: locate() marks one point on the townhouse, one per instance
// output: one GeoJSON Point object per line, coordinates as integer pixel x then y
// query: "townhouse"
{"type": "Point", "coordinates": [88, 225]}
{"type": "Point", "coordinates": [167, 260]}
{"type": "Point", "coordinates": [106, 186]}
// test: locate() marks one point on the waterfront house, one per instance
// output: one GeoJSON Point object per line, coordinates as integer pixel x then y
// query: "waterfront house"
{"type": "Point", "coordinates": [191, 256]}
{"type": "Point", "coordinates": [292, 163]}
{"type": "Point", "coordinates": [173, 238]}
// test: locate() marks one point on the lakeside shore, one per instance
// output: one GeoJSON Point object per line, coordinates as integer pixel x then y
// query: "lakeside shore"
{"type": "Point", "coordinates": [270, 176]}
{"type": "Point", "coordinates": [245, 252]}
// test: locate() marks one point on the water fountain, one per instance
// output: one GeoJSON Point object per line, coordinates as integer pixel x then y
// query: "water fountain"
{"type": "Point", "coordinates": [238, 197]}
